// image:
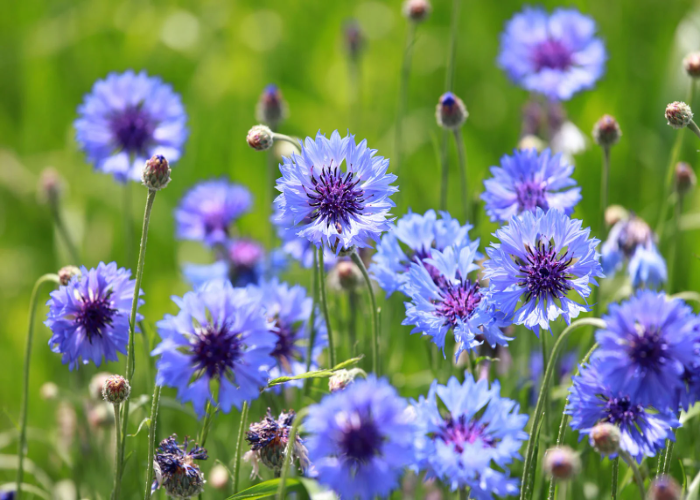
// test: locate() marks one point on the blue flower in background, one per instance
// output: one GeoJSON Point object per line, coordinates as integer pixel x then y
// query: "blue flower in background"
{"type": "Point", "coordinates": [541, 258]}
{"type": "Point", "coordinates": [644, 430]}
{"type": "Point", "coordinates": [632, 240]}
{"type": "Point", "coordinates": [126, 119]}
{"type": "Point", "coordinates": [360, 439]}
{"type": "Point", "coordinates": [331, 206]}
{"type": "Point", "coordinates": [411, 240]}
{"type": "Point", "coordinates": [444, 298]}
{"type": "Point", "coordinates": [472, 445]}
{"type": "Point", "coordinates": [554, 55]}
{"type": "Point", "coordinates": [89, 317]}
{"type": "Point", "coordinates": [648, 343]}
{"type": "Point", "coordinates": [529, 180]}
{"type": "Point", "coordinates": [298, 247]}
{"type": "Point", "coordinates": [220, 335]}
{"type": "Point", "coordinates": [208, 209]}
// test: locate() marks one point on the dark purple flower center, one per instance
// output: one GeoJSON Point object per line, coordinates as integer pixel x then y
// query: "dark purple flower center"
{"type": "Point", "coordinates": [133, 129]}
{"type": "Point", "coordinates": [620, 411]}
{"type": "Point", "coordinates": [461, 432]}
{"type": "Point", "coordinates": [531, 194]}
{"type": "Point", "coordinates": [647, 348]}
{"type": "Point", "coordinates": [95, 315]}
{"type": "Point", "coordinates": [215, 350]}
{"type": "Point", "coordinates": [336, 197]}
{"type": "Point", "coordinates": [459, 300]}
{"type": "Point", "coordinates": [551, 54]}
{"type": "Point", "coordinates": [286, 350]}
{"type": "Point", "coordinates": [421, 256]}
{"type": "Point", "coordinates": [544, 274]}
{"type": "Point", "coordinates": [361, 439]}
{"type": "Point", "coordinates": [214, 221]}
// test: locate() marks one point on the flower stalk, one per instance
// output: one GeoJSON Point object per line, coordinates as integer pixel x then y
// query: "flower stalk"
{"type": "Point", "coordinates": [239, 447]}
{"type": "Point", "coordinates": [324, 304]}
{"type": "Point", "coordinates": [375, 311]}
{"type": "Point", "coordinates": [152, 440]}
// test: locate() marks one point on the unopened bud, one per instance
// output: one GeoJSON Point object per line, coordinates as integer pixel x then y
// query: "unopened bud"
{"type": "Point", "coordinates": [606, 131]}
{"type": "Point", "coordinates": [116, 389]}
{"type": "Point", "coordinates": [354, 40]}
{"type": "Point", "coordinates": [691, 64]}
{"type": "Point", "coordinates": [417, 10]}
{"type": "Point", "coordinates": [342, 378]}
{"type": "Point", "coordinates": [531, 142]}
{"type": "Point", "coordinates": [664, 488]}
{"type": "Point", "coordinates": [271, 108]}
{"type": "Point", "coordinates": [614, 214]}
{"type": "Point", "coordinates": [451, 113]}
{"type": "Point", "coordinates": [678, 114]}
{"type": "Point", "coordinates": [561, 463]}
{"type": "Point", "coordinates": [218, 477]}
{"type": "Point", "coordinates": [345, 276]}
{"type": "Point", "coordinates": [50, 186]}
{"type": "Point", "coordinates": [685, 178]}
{"type": "Point", "coordinates": [156, 173]}
{"type": "Point", "coordinates": [605, 438]}
{"type": "Point", "coordinates": [66, 273]}
{"type": "Point", "coordinates": [260, 138]}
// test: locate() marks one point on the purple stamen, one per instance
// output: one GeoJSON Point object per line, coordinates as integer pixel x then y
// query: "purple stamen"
{"type": "Point", "coordinates": [133, 128]}
{"type": "Point", "coordinates": [545, 273]}
{"type": "Point", "coordinates": [215, 350]}
{"type": "Point", "coordinates": [336, 197]}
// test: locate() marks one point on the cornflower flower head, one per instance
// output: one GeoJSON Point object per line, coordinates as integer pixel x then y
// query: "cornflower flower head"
{"type": "Point", "coordinates": [126, 119]}
{"type": "Point", "coordinates": [541, 259]}
{"type": "Point", "coordinates": [268, 440]}
{"type": "Point", "coordinates": [529, 180]}
{"type": "Point", "coordinates": [175, 469]}
{"type": "Point", "coordinates": [329, 205]}
{"type": "Point", "coordinates": [556, 55]}
{"type": "Point", "coordinates": [219, 335]}
{"type": "Point", "coordinates": [360, 439]}
{"type": "Point", "coordinates": [474, 442]}
{"type": "Point", "coordinates": [89, 316]}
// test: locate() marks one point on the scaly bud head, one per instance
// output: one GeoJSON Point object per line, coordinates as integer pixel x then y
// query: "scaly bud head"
{"type": "Point", "coordinates": [66, 273]}
{"type": "Point", "coordinates": [354, 40]}
{"type": "Point", "coordinates": [664, 488]}
{"type": "Point", "coordinates": [271, 108]}
{"type": "Point", "coordinates": [685, 178]}
{"type": "Point", "coordinates": [260, 138]}
{"type": "Point", "coordinates": [606, 131]}
{"type": "Point", "coordinates": [691, 64]}
{"type": "Point", "coordinates": [451, 113]}
{"type": "Point", "coordinates": [605, 438]}
{"type": "Point", "coordinates": [50, 186]}
{"type": "Point", "coordinates": [156, 173]}
{"type": "Point", "coordinates": [678, 114]}
{"type": "Point", "coordinates": [417, 10]}
{"type": "Point", "coordinates": [561, 463]}
{"type": "Point", "coordinates": [116, 389]}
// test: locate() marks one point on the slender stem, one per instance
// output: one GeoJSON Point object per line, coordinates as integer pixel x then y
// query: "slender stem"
{"type": "Point", "coordinates": [324, 304]}
{"type": "Point", "coordinates": [615, 474]}
{"type": "Point", "coordinates": [692, 126]}
{"type": "Point", "coordinates": [464, 493]}
{"type": "Point", "coordinates": [539, 407]}
{"type": "Point", "coordinates": [353, 307]}
{"type": "Point", "coordinates": [604, 190]}
{"type": "Point", "coordinates": [637, 475]}
{"type": "Point", "coordinates": [450, 74]}
{"type": "Point", "coordinates": [117, 428]}
{"type": "Point", "coordinates": [204, 431]}
{"type": "Point", "coordinates": [128, 226]}
{"type": "Point", "coordinates": [289, 454]}
{"type": "Point", "coordinates": [667, 457]}
{"type": "Point", "coordinates": [25, 379]}
{"type": "Point", "coordinates": [403, 93]}
{"type": "Point", "coordinates": [545, 363]}
{"type": "Point", "coordinates": [375, 320]}
{"type": "Point", "coordinates": [312, 323]}
{"type": "Point", "coordinates": [239, 446]}
{"type": "Point", "coordinates": [291, 140]}
{"type": "Point", "coordinates": [65, 235]}
{"type": "Point", "coordinates": [672, 257]}
{"type": "Point", "coordinates": [152, 440]}
{"type": "Point", "coordinates": [462, 156]}
{"type": "Point", "coordinates": [445, 170]}
{"type": "Point", "coordinates": [130, 357]}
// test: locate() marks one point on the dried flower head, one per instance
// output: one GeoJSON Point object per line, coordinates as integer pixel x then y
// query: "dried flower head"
{"type": "Point", "coordinates": [678, 114]}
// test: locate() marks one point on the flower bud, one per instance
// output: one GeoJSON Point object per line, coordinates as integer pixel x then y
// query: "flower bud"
{"type": "Point", "coordinates": [345, 276]}
{"type": "Point", "coordinates": [561, 463]}
{"type": "Point", "coordinates": [66, 273]}
{"type": "Point", "coordinates": [417, 10]}
{"type": "Point", "coordinates": [116, 389]}
{"type": "Point", "coordinates": [685, 178]}
{"type": "Point", "coordinates": [678, 114]}
{"type": "Point", "coordinates": [156, 173]}
{"type": "Point", "coordinates": [614, 214]}
{"type": "Point", "coordinates": [451, 113]}
{"type": "Point", "coordinates": [354, 40]}
{"type": "Point", "coordinates": [342, 378]}
{"type": "Point", "coordinates": [531, 142]}
{"type": "Point", "coordinates": [606, 131]}
{"type": "Point", "coordinates": [50, 186]}
{"type": "Point", "coordinates": [271, 108]}
{"type": "Point", "coordinates": [664, 488]}
{"type": "Point", "coordinates": [218, 477]}
{"type": "Point", "coordinates": [260, 138]}
{"type": "Point", "coordinates": [691, 64]}
{"type": "Point", "coordinates": [605, 438]}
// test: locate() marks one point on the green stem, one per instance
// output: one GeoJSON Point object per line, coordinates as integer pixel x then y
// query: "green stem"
{"type": "Point", "coordinates": [403, 93]}
{"type": "Point", "coordinates": [615, 474]}
{"type": "Point", "coordinates": [65, 236]}
{"type": "Point", "coordinates": [289, 454]}
{"type": "Point", "coordinates": [464, 493]}
{"type": "Point", "coordinates": [324, 305]}
{"type": "Point", "coordinates": [312, 323]}
{"type": "Point", "coordinates": [25, 379]}
{"type": "Point", "coordinates": [291, 140]}
{"type": "Point", "coordinates": [545, 363]}
{"type": "Point", "coordinates": [692, 126]}
{"type": "Point", "coordinates": [604, 190]}
{"type": "Point", "coordinates": [670, 282]}
{"type": "Point", "coordinates": [204, 431]}
{"type": "Point", "coordinates": [637, 475]}
{"type": "Point", "coordinates": [128, 226]}
{"type": "Point", "coordinates": [152, 440]}
{"type": "Point", "coordinates": [462, 157]}
{"type": "Point", "coordinates": [375, 320]}
{"type": "Point", "coordinates": [130, 357]}
{"type": "Point", "coordinates": [667, 457]}
{"type": "Point", "coordinates": [450, 74]}
{"type": "Point", "coordinates": [445, 170]}
{"type": "Point", "coordinates": [353, 307]}
{"type": "Point", "coordinates": [539, 407]}
{"type": "Point", "coordinates": [117, 428]}
{"type": "Point", "coordinates": [239, 446]}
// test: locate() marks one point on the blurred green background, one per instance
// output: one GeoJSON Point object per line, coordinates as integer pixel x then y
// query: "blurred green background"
{"type": "Point", "coordinates": [219, 55]}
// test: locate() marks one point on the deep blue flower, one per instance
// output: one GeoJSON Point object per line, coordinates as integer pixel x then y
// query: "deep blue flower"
{"type": "Point", "coordinates": [175, 470]}
{"type": "Point", "coordinates": [644, 430]}
{"type": "Point", "coordinates": [529, 180]}
{"type": "Point", "coordinates": [360, 439]}
{"type": "Point", "coordinates": [646, 346]}
{"type": "Point", "coordinates": [220, 334]}
{"type": "Point", "coordinates": [89, 317]}
{"type": "Point", "coordinates": [444, 298]}
{"type": "Point", "coordinates": [126, 119]}
{"type": "Point", "coordinates": [632, 240]}
{"type": "Point", "coordinates": [331, 206]}
{"type": "Point", "coordinates": [298, 247]}
{"type": "Point", "coordinates": [411, 240]}
{"type": "Point", "coordinates": [540, 260]}
{"type": "Point", "coordinates": [474, 442]}
{"type": "Point", "coordinates": [555, 55]}
{"type": "Point", "coordinates": [208, 209]}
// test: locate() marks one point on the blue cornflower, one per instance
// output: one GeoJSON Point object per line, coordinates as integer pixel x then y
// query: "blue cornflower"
{"type": "Point", "coordinates": [89, 317]}
{"type": "Point", "coordinates": [220, 335]}
{"type": "Point", "coordinates": [126, 119]}
{"type": "Point", "coordinates": [529, 180]}
{"type": "Point", "coordinates": [334, 207]}
{"type": "Point", "coordinates": [288, 310]}
{"type": "Point", "coordinates": [646, 346]}
{"type": "Point", "coordinates": [591, 400]}
{"type": "Point", "coordinates": [541, 258]}
{"type": "Point", "coordinates": [298, 247]}
{"type": "Point", "coordinates": [207, 210]}
{"type": "Point", "coordinates": [241, 261]}
{"type": "Point", "coordinates": [444, 298]}
{"type": "Point", "coordinates": [472, 444]}
{"type": "Point", "coordinates": [418, 234]}
{"type": "Point", "coordinates": [360, 439]}
{"type": "Point", "coordinates": [632, 240]}
{"type": "Point", "coordinates": [175, 470]}
{"type": "Point", "coordinates": [555, 55]}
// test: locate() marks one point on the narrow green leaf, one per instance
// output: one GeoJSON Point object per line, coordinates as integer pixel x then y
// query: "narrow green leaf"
{"type": "Point", "coordinates": [315, 374]}
{"type": "Point", "coordinates": [269, 488]}
{"type": "Point", "coordinates": [146, 421]}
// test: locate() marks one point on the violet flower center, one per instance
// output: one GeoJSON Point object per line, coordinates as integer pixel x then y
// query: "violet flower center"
{"type": "Point", "coordinates": [544, 274]}
{"type": "Point", "coordinates": [530, 195]}
{"type": "Point", "coordinates": [133, 129]}
{"type": "Point", "coordinates": [361, 439]}
{"type": "Point", "coordinates": [95, 315]}
{"type": "Point", "coordinates": [461, 432]}
{"type": "Point", "coordinates": [552, 54]}
{"type": "Point", "coordinates": [336, 197]}
{"type": "Point", "coordinates": [216, 350]}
